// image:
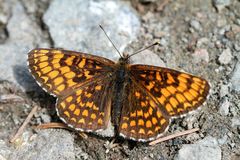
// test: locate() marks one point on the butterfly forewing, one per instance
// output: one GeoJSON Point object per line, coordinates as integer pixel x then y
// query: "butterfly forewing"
{"type": "Point", "coordinates": [175, 93]}
{"type": "Point", "coordinates": [60, 71]}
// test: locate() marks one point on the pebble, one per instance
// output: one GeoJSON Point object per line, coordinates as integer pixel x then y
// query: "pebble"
{"type": "Point", "coordinates": [224, 107]}
{"type": "Point", "coordinates": [220, 4]}
{"type": "Point", "coordinates": [206, 149]}
{"type": "Point", "coordinates": [196, 25]}
{"type": "Point", "coordinates": [226, 56]}
{"type": "Point", "coordinates": [235, 79]}
{"type": "Point", "coordinates": [224, 90]}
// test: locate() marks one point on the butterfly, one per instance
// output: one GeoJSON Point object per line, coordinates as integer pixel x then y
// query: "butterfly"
{"type": "Point", "coordinates": [93, 91]}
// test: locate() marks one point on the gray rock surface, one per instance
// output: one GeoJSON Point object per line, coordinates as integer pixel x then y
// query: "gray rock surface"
{"type": "Point", "coordinates": [206, 149]}
{"type": "Point", "coordinates": [24, 34]}
{"type": "Point", "coordinates": [78, 29]}
{"type": "Point", "coordinates": [46, 145]}
{"type": "Point", "coordinates": [225, 57]}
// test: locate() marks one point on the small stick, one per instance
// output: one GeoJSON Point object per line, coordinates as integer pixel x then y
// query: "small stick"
{"type": "Point", "coordinates": [173, 136]}
{"type": "Point", "coordinates": [59, 125]}
{"type": "Point", "coordinates": [26, 121]}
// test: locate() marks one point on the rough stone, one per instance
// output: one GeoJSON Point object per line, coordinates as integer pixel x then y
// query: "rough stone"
{"type": "Point", "coordinates": [80, 27]}
{"type": "Point", "coordinates": [226, 56]}
{"type": "Point", "coordinates": [24, 34]}
{"type": "Point", "coordinates": [224, 107]}
{"type": "Point", "coordinates": [220, 4]}
{"type": "Point", "coordinates": [235, 80]}
{"type": "Point", "coordinates": [206, 149]}
{"type": "Point", "coordinates": [224, 90]}
{"type": "Point", "coordinates": [48, 145]}
{"type": "Point", "coordinates": [196, 25]}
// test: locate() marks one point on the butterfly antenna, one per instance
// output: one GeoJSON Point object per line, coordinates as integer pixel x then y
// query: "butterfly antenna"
{"type": "Point", "coordinates": [110, 40]}
{"type": "Point", "coordinates": [156, 43]}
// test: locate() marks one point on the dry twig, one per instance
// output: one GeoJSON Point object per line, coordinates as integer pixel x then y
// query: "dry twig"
{"type": "Point", "coordinates": [27, 120]}
{"type": "Point", "coordinates": [161, 139]}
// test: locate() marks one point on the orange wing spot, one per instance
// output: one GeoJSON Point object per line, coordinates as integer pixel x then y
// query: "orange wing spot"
{"type": "Point", "coordinates": [181, 87]}
{"type": "Point", "coordinates": [148, 124]}
{"type": "Point", "coordinates": [139, 113]}
{"type": "Point", "coordinates": [39, 73]}
{"type": "Point", "coordinates": [98, 67]}
{"type": "Point", "coordinates": [89, 104]}
{"type": "Point", "coordinates": [137, 94]}
{"type": "Point", "coordinates": [46, 69]}
{"type": "Point", "coordinates": [197, 79]}
{"type": "Point", "coordinates": [53, 74]}
{"type": "Point", "coordinates": [170, 79]}
{"type": "Point", "coordinates": [64, 69]}
{"type": "Point", "coordinates": [143, 104]}
{"type": "Point", "coordinates": [88, 95]}
{"type": "Point", "coordinates": [73, 119]}
{"type": "Point", "coordinates": [80, 102]}
{"type": "Point", "coordinates": [159, 115]}
{"type": "Point", "coordinates": [49, 86]}
{"type": "Point", "coordinates": [100, 121]}
{"type": "Point", "coordinates": [162, 121]}
{"type": "Point", "coordinates": [124, 126]}
{"type": "Point", "coordinates": [82, 63]}
{"type": "Point", "coordinates": [182, 79]}
{"type": "Point", "coordinates": [185, 75]}
{"type": "Point", "coordinates": [66, 113]}
{"type": "Point", "coordinates": [125, 118]}
{"type": "Point", "coordinates": [54, 61]}
{"type": "Point", "coordinates": [140, 122]}
{"type": "Point", "coordinates": [57, 52]}
{"type": "Point", "coordinates": [194, 103]}
{"type": "Point", "coordinates": [169, 107]}
{"type": "Point", "coordinates": [82, 120]}
{"type": "Point", "coordinates": [63, 105]}
{"type": "Point", "coordinates": [150, 86]}
{"type": "Point", "coordinates": [158, 77]}
{"type": "Point", "coordinates": [69, 99]}
{"type": "Point", "coordinates": [61, 87]}
{"type": "Point", "coordinates": [70, 75]}
{"type": "Point", "coordinates": [179, 110]}
{"type": "Point", "coordinates": [43, 58]}
{"type": "Point", "coordinates": [85, 113]}
{"type": "Point", "coordinates": [43, 51]}
{"type": "Point", "coordinates": [98, 88]}
{"type": "Point", "coordinates": [93, 116]}
{"type": "Point", "coordinates": [152, 104]}
{"type": "Point", "coordinates": [162, 99]}
{"type": "Point", "coordinates": [149, 132]}
{"type": "Point", "coordinates": [72, 107]}
{"type": "Point", "coordinates": [188, 96]}
{"type": "Point", "coordinates": [77, 112]}
{"type": "Point", "coordinates": [146, 115]}
{"type": "Point", "coordinates": [71, 83]}
{"type": "Point", "coordinates": [143, 75]}
{"type": "Point", "coordinates": [150, 110]}
{"type": "Point", "coordinates": [154, 121]}
{"type": "Point", "coordinates": [193, 92]}
{"type": "Point", "coordinates": [45, 79]}
{"type": "Point", "coordinates": [165, 92]}
{"type": "Point", "coordinates": [157, 128]}
{"type": "Point", "coordinates": [133, 123]}
{"type": "Point", "coordinates": [78, 92]}
{"type": "Point", "coordinates": [56, 65]}
{"type": "Point", "coordinates": [95, 107]}
{"type": "Point", "coordinates": [195, 86]}
{"type": "Point", "coordinates": [69, 60]}
{"type": "Point", "coordinates": [134, 114]}
{"type": "Point", "coordinates": [173, 102]}
{"type": "Point", "coordinates": [43, 64]}
{"type": "Point", "coordinates": [180, 98]}
{"type": "Point", "coordinates": [86, 74]}
{"type": "Point", "coordinates": [141, 131]}
{"type": "Point", "coordinates": [171, 89]}
{"type": "Point", "coordinates": [200, 98]}
{"type": "Point", "coordinates": [187, 105]}
{"type": "Point", "coordinates": [133, 131]}
{"type": "Point", "coordinates": [58, 81]}
{"type": "Point", "coordinates": [101, 114]}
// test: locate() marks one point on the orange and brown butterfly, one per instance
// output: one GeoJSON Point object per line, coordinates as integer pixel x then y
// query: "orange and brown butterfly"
{"type": "Point", "coordinates": [92, 91]}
